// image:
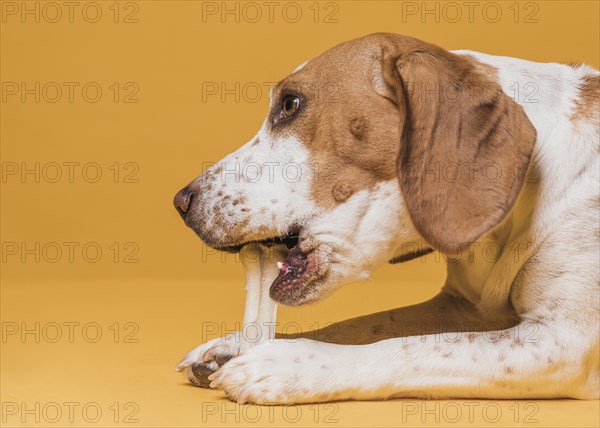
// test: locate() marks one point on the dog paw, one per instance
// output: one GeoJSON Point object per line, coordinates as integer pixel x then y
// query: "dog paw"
{"type": "Point", "coordinates": [279, 372]}
{"type": "Point", "coordinates": [204, 360]}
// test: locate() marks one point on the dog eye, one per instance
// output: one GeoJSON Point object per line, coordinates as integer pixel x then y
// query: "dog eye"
{"type": "Point", "coordinates": [290, 105]}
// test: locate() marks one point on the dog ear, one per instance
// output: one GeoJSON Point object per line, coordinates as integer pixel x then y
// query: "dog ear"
{"type": "Point", "coordinates": [465, 145]}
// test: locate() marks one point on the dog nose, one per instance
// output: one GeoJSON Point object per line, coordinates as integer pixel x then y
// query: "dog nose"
{"type": "Point", "coordinates": [183, 200]}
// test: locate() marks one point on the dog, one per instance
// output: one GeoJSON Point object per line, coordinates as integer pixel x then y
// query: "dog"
{"type": "Point", "coordinates": [386, 148]}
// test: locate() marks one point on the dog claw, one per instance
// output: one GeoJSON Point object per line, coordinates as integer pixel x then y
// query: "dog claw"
{"type": "Point", "coordinates": [200, 373]}
{"type": "Point", "coordinates": [181, 366]}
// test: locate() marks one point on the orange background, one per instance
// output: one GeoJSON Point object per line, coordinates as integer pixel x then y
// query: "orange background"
{"type": "Point", "coordinates": [158, 276]}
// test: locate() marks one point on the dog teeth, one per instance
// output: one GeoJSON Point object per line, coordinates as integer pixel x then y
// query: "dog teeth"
{"type": "Point", "coordinates": [280, 265]}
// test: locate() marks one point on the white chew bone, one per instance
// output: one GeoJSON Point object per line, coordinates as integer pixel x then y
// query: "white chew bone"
{"type": "Point", "coordinates": [260, 312]}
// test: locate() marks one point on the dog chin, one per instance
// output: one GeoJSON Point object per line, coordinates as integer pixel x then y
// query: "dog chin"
{"type": "Point", "coordinates": [308, 292]}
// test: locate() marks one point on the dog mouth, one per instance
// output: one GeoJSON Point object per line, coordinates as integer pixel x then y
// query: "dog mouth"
{"type": "Point", "coordinates": [299, 272]}
{"type": "Point", "coordinates": [290, 240]}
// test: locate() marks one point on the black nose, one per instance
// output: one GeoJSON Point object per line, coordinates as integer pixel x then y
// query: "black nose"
{"type": "Point", "coordinates": [183, 200]}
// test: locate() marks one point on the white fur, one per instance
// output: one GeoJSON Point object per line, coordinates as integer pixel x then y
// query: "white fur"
{"type": "Point", "coordinates": [274, 175]}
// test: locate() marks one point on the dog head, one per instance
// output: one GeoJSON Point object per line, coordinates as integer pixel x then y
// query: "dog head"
{"type": "Point", "coordinates": [372, 151]}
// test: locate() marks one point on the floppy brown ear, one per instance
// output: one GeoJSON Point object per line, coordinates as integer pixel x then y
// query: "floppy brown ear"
{"type": "Point", "coordinates": [465, 145]}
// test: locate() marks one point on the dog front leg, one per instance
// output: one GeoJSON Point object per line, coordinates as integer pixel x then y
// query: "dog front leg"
{"type": "Point", "coordinates": [529, 360]}
{"type": "Point", "coordinates": [442, 314]}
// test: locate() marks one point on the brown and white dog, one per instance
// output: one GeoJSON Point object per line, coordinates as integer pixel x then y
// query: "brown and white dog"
{"type": "Point", "coordinates": [385, 148]}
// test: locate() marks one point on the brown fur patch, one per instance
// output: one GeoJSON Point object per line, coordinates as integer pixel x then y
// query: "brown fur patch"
{"type": "Point", "coordinates": [239, 200]}
{"type": "Point", "coordinates": [351, 132]}
{"type": "Point", "coordinates": [587, 107]}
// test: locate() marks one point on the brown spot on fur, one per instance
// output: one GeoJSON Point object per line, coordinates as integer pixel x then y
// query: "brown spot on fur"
{"type": "Point", "coordinates": [236, 230]}
{"type": "Point", "coordinates": [297, 360]}
{"type": "Point", "coordinates": [239, 200]}
{"type": "Point", "coordinates": [358, 128]}
{"type": "Point", "coordinates": [341, 192]}
{"type": "Point", "coordinates": [587, 107]}
{"type": "Point", "coordinates": [274, 200]}
{"type": "Point", "coordinates": [518, 343]}
{"type": "Point", "coordinates": [256, 142]}
{"type": "Point", "coordinates": [509, 370]}
{"type": "Point", "coordinates": [553, 305]}
{"type": "Point", "coordinates": [447, 354]}
{"type": "Point", "coordinates": [555, 273]}
{"type": "Point", "coordinates": [501, 357]}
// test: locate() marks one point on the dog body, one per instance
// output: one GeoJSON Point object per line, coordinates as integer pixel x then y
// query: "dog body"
{"type": "Point", "coordinates": [401, 149]}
